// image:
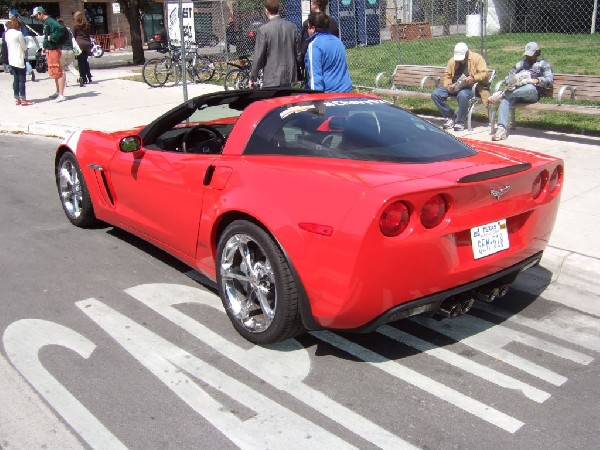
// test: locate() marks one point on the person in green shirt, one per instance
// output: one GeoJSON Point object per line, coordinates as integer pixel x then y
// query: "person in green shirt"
{"type": "Point", "coordinates": [54, 37]}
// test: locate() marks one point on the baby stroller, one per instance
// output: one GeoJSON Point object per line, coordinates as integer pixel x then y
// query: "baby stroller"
{"type": "Point", "coordinates": [41, 63]}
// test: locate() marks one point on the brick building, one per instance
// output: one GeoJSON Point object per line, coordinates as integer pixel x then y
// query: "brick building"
{"type": "Point", "coordinates": [110, 27]}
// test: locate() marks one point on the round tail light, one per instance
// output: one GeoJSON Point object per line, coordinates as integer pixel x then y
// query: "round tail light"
{"type": "Point", "coordinates": [434, 211]}
{"type": "Point", "coordinates": [539, 184]}
{"type": "Point", "coordinates": [394, 219]}
{"type": "Point", "coordinates": [555, 178]}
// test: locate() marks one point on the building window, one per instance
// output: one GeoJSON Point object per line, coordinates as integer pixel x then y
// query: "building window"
{"type": "Point", "coordinates": [96, 16]}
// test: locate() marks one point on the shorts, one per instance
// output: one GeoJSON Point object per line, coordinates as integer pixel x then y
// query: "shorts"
{"type": "Point", "coordinates": [54, 66]}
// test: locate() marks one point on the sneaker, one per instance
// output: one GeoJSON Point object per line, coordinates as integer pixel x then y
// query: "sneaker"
{"type": "Point", "coordinates": [448, 124]}
{"type": "Point", "coordinates": [459, 127]}
{"type": "Point", "coordinates": [500, 134]}
{"type": "Point", "coordinates": [55, 95]}
{"type": "Point", "coordinates": [60, 98]}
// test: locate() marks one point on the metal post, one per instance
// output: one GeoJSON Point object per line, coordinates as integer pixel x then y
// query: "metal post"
{"type": "Point", "coordinates": [183, 61]}
{"type": "Point", "coordinates": [593, 28]}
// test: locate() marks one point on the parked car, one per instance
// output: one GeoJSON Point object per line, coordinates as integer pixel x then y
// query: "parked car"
{"type": "Point", "coordinates": [242, 34]}
{"type": "Point", "coordinates": [158, 41]}
{"type": "Point", "coordinates": [314, 210]}
{"type": "Point", "coordinates": [34, 42]}
{"type": "Point", "coordinates": [206, 39]}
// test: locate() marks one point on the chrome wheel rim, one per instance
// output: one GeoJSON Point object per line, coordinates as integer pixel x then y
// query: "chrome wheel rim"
{"type": "Point", "coordinates": [69, 186]}
{"type": "Point", "coordinates": [248, 283]}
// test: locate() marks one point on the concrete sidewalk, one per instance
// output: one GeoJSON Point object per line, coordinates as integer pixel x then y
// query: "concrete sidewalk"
{"type": "Point", "coordinates": [570, 270]}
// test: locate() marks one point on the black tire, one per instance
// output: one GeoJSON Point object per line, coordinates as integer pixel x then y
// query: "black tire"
{"type": "Point", "coordinates": [275, 318]}
{"type": "Point", "coordinates": [204, 69]}
{"type": "Point", "coordinates": [236, 79]}
{"type": "Point", "coordinates": [149, 72]}
{"type": "Point", "coordinates": [73, 192]}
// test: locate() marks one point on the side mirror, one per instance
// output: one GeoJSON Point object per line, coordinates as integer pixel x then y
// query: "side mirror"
{"type": "Point", "coordinates": [130, 144]}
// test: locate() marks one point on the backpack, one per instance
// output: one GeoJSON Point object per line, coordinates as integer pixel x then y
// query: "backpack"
{"type": "Point", "coordinates": [63, 37]}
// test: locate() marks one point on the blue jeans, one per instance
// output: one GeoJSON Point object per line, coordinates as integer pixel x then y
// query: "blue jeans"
{"type": "Point", "coordinates": [526, 94]}
{"type": "Point", "coordinates": [441, 94]}
{"type": "Point", "coordinates": [19, 77]}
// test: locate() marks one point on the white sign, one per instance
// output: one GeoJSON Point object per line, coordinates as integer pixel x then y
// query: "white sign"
{"type": "Point", "coordinates": [116, 8]}
{"type": "Point", "coordinates": [189, 33]}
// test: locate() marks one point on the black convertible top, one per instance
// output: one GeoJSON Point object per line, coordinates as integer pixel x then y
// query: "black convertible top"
{"type": "Point", "coordinates": [238, 100]}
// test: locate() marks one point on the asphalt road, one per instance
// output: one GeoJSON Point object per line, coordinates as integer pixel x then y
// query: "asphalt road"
{"type": "Point", "coordinates": [108, 342]}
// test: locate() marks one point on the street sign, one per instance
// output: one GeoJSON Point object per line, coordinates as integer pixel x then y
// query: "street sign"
{"type": "Point", "coordinates": [116, 8]}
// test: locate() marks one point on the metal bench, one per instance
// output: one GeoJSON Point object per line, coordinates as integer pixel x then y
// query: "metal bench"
{"type": "Point", "coordinates": [576, 87]}
{"type": "Point", "coordinates": [418, 81]}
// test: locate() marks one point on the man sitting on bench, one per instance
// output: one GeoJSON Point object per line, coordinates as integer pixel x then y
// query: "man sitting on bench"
{"type": "Point", "coordinates": [524, 83]}
{"type": "Point", "coordinates": [462, 71]}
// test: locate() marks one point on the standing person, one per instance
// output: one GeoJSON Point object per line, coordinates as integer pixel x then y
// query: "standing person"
{"type": "Point", "coordinates": [54, 37]}
{"type": "Point", "coordinates": [316, 6]}
{"type": "Point", "coordinates": [325, 60]}
{"type": "Point", "coordinates": [15, 44]}
{"type": "Point", "coordinates": [462, 71]}
{"type": "Point", "coordinates": [525, 82]}
{"type": "Point", "coordinates": [67, 57]}
{"type": "Point", "coordinates": [23, 29]}
{"type": "Point", "coordinates": [81, 33]}
{"type": "Point", "coordinates": [275, 50]}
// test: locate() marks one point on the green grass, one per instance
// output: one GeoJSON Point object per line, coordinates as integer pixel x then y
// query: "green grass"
{"type": "Point", "coordinates": [576, 54]}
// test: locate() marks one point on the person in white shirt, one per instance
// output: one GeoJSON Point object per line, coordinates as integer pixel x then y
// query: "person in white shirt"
{"type": "Point", "coordinates": [15, 43]}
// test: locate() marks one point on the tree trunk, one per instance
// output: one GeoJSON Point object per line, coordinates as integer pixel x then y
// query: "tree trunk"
{"type": "Point", "coordinates": [131, 9]}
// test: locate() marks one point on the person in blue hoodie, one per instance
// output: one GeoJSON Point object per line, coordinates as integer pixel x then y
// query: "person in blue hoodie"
{"type": "Point", "coordinates": [325, 60]}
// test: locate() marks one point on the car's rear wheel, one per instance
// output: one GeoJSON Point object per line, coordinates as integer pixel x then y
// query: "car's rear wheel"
{"type": "Point", "coordinates": [73, 192]}
{"type": "Point", "coordinates": [256, 285]}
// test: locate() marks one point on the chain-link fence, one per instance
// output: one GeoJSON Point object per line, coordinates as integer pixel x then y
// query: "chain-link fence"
{"type": "Point", "coordinates": [378, 34]}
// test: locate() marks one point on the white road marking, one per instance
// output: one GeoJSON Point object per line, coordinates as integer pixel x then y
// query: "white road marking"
{"type": "Point", "coordinates": [23, 340]}
{"type": "Point", "coordinates": [427, 384]}
{"type": "Point", "coordinates": [570, 326]}
{"type": "Point", "coordinates": [486, 373]}
{"type": "Point", "coordinates": [176, 369]}
{"type": "Point", "coordinates": [25, 420]}
{"type": "Point", "coordinates": [287, 374]}
{"type": "Point", "coordinates": [489, 338]}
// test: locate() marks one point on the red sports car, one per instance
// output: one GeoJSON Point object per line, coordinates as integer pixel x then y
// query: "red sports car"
{"type": "Point", "coordinates": [314, 211]}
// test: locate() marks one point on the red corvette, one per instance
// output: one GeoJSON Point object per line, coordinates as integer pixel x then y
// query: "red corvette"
{"type": "Point", "coordinates": [314, 211]}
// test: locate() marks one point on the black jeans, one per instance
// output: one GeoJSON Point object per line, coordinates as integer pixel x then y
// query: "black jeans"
{"type": "Point", "coordinates": [84, 66]}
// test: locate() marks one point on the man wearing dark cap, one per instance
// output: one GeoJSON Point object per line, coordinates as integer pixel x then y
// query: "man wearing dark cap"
{"type": "Point", "coordinates": [525, 81]}
{"type": "Point", "coordinates": [463, 70]}
{"type": "Point", "coordinates": [54, 36]}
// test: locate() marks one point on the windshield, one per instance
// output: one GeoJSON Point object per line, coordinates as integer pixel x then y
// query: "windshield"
{"type": "Point", "coordinates": [353, 128]}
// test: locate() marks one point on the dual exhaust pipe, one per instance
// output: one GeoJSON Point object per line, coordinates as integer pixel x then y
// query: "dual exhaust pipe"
{"type": "Point", "coordinates": [460, 304]}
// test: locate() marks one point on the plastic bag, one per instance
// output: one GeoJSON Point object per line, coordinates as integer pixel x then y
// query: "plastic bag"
{"type": "Point", "coordinates": [76, 48]}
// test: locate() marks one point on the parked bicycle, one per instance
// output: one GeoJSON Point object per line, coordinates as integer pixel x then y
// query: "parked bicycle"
{"type": "Point", "coordinates": [239, 76]}
{"type": "Point", "coordinates": [167, 70]}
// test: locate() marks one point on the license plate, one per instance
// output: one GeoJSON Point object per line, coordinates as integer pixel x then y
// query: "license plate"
{"type": "Point", "coordinates": [489, 239]}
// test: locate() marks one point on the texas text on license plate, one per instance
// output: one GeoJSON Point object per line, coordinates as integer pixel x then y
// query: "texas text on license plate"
{"type": "Point", "coordinates": [489, 239]}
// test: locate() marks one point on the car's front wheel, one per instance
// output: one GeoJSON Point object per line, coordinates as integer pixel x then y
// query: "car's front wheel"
{"type": "Point", "coordinates": [73, 192]}
{"type": "Point", "coordinates": [256, 285]}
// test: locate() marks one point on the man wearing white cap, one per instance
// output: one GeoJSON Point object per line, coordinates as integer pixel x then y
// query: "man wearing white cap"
{"type": "Point", "coordinates": [462, 71]}
{"type": "Point", "coordinates": [530, 76]}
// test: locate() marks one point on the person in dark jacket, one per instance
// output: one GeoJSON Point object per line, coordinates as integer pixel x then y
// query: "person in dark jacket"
{"type": "Point", "coordinates": [81, 33]}
{"type": "Point", "coordinates": [275, 49]}
{"type": "Point", "coordinates": [325, 60]}
{"type": "Point", "coordinates": [316, 6]}
{"type": "Point", "coordinates": [54, 37]}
